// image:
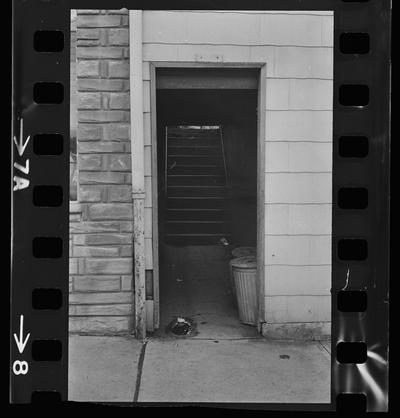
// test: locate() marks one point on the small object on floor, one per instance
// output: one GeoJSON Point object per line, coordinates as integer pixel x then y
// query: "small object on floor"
{"type": "Point", "coordinates": [181, 326]}
{"type": "Point", "coordinates": [284, 356]}
{"type": "Point", "coordinates": [179, 280]}
{"type": "Point", "coordinates": [224, 241]}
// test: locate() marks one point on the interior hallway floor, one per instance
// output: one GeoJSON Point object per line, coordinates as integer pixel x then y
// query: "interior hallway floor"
{"type": "Point", "coordinates": [195, 284]}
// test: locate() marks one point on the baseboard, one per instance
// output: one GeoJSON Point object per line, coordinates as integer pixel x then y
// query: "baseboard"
{"type": "Point", "coordinates": [309, 331]}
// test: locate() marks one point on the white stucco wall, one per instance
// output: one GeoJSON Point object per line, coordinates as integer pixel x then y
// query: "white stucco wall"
{"type": "Point", "coordinates": [297, 48]}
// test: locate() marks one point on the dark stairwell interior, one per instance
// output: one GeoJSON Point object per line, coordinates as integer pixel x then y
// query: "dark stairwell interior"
{"type": "Point", "coordinates": [207, 176]}
{"type": "Point", "coordinates": [196, 186]}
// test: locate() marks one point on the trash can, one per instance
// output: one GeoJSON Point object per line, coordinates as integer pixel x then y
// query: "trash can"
{"type": "Point", "coordinates": [244, 252]}
{"type": "Point", "coordinates": [244, 270]}
{"type": "Point", "coordinates": [236, 253]}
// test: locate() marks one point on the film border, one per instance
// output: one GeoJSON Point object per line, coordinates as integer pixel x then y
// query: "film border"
{"type": "Point", "coordinates": [47, 379]}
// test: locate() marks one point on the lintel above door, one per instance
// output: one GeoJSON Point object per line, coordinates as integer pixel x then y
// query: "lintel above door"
{"type": "Point", "coordinates": [207, 78]}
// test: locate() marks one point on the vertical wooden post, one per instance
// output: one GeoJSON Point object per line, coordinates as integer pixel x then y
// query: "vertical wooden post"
{"type": "Point", "coordinates": [137, 158]}
{"type": "Point", "coordinates": [154, 186]}
{"type": "Point", "coordinates": [261, 117]}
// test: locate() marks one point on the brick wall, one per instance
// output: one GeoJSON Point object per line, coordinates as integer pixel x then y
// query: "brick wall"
{"type": "Point", "coordinates": [101, 294]}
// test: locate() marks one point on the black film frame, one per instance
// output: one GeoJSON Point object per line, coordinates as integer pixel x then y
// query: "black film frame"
{"type": "Point", "coordinates": [351, 386]}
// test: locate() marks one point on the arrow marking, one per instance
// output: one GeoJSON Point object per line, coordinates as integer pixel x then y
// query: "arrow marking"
{"type": "Point", "coordinates": [20, 341]}
{"type": "Point", "coordinates": [21, 145]}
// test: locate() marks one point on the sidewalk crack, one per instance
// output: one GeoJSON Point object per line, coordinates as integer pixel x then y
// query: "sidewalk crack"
{"type": "Point", "coordinates": [324, 348]}
{"type": "Point", "coordinates": [139, 371]}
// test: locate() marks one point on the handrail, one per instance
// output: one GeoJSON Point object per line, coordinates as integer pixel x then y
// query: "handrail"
{"type": "Point", "coordinates": [166, 162]}
{"type": "Point", "coordinates": [227, 182]}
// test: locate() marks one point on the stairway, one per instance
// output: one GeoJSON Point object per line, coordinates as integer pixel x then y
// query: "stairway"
{"type": "Point", "coordinates": [196, 186]}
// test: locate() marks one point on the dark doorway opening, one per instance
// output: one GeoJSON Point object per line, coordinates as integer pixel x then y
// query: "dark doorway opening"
{"type": "Point", "coordinates": [207, 203]}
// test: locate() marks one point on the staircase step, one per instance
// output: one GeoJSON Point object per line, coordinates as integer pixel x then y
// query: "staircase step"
{"type": "Point", "coordinates": [193, 159]}
{"type": "Point", "coordinates": [197, 214]}
{"type": "Point", "coordinates": [198, 235]}
{"type": "Point", "coordinates": [196, 191]}
{"type": "Point", "coordinates": [180, 131]}
{"type": "Point", "coordinates": [203, 169]}
{"type": "Point", "coordinates": [196, 203]}
{"type": "Point", "coordinates": [191, 146]}
{"type": "Point", "coordinates": [195, 180]}
{"type": "Point", "coordinates": [194, 150]}
{"type": "Point", "coordinates": [214, 137]}
{"type": "Point", "coordinates": [195, 239]}
{"type": "Point", "coordinates": [195, 187]}
{"type": "Point", "coordinates": [192, 142]}
{"type": "Point", "coordinates": [196, 227]}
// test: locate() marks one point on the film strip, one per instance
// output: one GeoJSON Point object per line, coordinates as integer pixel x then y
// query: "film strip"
{"type": "Point", "coordinates": [361, 166]}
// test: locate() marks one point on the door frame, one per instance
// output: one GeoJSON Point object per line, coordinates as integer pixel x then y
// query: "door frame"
{"type": "Point", "coordinates": [261, 138]}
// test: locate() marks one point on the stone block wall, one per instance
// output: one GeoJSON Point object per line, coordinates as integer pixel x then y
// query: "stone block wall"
{"type": "Point", "coordinates": [101, 221]}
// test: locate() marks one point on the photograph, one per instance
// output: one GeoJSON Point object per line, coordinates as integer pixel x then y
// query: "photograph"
{"type": "Point", "coordinates": [200, 206]}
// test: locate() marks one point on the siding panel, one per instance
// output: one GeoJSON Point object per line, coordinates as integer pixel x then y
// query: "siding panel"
{"type": "Point", "coordinates": [297, 48]}
{"type": "Point", "coordinates": [327, 30]}
{"type": "Point", "coordinates": [297, 309]}
{"type": "Point", "coordinates": [298, 250]}
{"type": "Point", "coordinates": [298, 188]}
{"type": "Point", "coordinates": [311, 94]}
{"type": "Point", "coordinates": [289, 219]}
{"type": "Point", "coordinates": [155, 52]}
{"type": "Point", "coordinates": [262, 28]}
{"type": "Point", "coordinates": [305, 125]}
{"type": "Point", "coordinates": [303, 62]}
{"type": "Point", "coordinates": [298, 280]}
{"type": "Point", "coordinates": [298, 157]}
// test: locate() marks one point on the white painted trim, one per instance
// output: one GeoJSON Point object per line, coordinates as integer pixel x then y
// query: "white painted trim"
{"type": "Point", "coordinates": [154, 179]}
{"type": "Point", "coordinates": [261, 128]}
{"type": "Point", "coordinates": [261, 212]}
{"type": "Point", "coordinates": [137, 160]}
{"type": "Point", "coordinates": [136, 100]}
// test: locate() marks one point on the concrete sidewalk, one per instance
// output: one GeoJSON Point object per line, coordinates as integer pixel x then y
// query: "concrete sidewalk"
{"type": "Point", "coordinates": [102, 368]}
{"type": "Point", "coordinates": [121, 369]}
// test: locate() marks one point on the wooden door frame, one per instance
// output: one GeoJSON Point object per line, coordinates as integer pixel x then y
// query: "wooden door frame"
{"type": "Point", "coordinates": [261, 137]}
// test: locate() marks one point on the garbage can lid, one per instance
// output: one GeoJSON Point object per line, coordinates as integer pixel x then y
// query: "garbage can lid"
{"type": "Point", "coordinates": [248, 262]}
{"type": "Point", "coordinates": [244, 251]}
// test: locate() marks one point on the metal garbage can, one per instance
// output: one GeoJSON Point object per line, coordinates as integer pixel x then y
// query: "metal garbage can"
{"type": "Point", "coordinates": [244, 252]}
{"type": "Point", "coordinates": [236, 253]}
{"type": "Point", "coordinates": [244, 270]}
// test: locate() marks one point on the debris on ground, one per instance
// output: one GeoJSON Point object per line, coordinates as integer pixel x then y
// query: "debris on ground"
{"type": "Point", "coordinates": [181, 326]}
{"type": "Point", "coordinates": [224, 241]}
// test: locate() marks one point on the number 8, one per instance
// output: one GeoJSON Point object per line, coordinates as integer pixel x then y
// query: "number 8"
{"type": "Point", "coordinates": [20, 367]}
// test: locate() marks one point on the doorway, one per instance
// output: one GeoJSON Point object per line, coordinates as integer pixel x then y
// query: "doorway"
{"type": "Point", "coordinates": [207, 146]}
